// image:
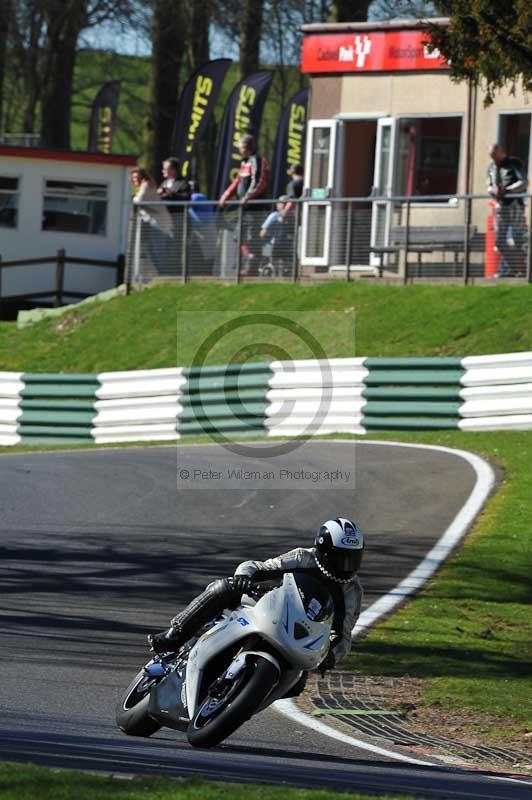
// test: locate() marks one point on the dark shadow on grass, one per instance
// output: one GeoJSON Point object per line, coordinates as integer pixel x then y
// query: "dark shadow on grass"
{"type": "Point", "coordinates": [431, 661]}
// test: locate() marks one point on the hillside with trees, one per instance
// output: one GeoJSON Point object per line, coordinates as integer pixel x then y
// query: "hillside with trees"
{"type": "Point", "coordinates": [52, 64]}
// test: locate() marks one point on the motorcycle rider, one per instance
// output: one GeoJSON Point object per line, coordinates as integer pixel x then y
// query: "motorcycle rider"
{"type": "Point", "coordinates": [334, 560]}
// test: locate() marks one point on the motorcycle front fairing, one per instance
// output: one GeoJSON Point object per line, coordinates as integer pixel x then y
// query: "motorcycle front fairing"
{"type": "Point", "coordinates": [224, 635]}
{"type": "Point", "coordinates": [169, 701]}
{"type": "Point", "coordinates": [279, 618]}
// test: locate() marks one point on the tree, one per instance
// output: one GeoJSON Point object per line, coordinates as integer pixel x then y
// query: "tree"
{"type": "Point", "coordinates": [64, 22]}
{"type": "Point", "coordinates": [350, 10]}
{"type": "Point", "coordinates": [198, 26]}
{"type": "Point", "coordinates": [22, 75]}
{"type": "Point", "coordinates": [487, 41]}
{"type": "Point", "coordinates": [5, 17]}
{"type": "Point", "coordinates": [250, 35]}
{"type": "Point", "coordinates": [168, 44]}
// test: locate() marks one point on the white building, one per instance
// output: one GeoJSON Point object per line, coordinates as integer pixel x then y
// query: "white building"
{"type": "Point", "coordinates": [54, 200]}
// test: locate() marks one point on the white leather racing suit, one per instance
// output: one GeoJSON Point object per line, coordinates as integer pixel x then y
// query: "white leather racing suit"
{"type": "Point", "coordinates": [347, 597]}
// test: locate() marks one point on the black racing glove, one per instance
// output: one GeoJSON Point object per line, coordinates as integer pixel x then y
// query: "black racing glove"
{"type": "Point", "coordinates": [162, 642]}
{"type": "Point", "coordinates": [242, 584]}
{"type": "Point", "coordinates": [328, 663]}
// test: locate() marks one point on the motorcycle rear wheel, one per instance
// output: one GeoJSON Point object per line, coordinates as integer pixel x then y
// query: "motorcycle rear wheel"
{"type": "Point", "coordinates": [217, 718]}
{"type": "Point", "coordinates": [132, 710]}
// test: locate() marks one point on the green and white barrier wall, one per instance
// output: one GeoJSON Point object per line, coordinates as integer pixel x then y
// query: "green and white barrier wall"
{"type": "Point", "coordinates": [278, 398]}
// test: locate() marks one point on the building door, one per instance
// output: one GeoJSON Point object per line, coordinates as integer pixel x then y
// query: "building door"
{"type": "Point", "coordinates": [355, 154]}
{"type": "Point", "coordinates": [382, 185]}
{"type": "Point", "coordinates": [514, 134]}
{"type": "Point", "coordinates": [319, 177]}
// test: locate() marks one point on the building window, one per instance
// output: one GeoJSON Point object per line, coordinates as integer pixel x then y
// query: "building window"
{"type": "Point", "coordinates": [428, 156]}
{"type": "Point", "coordinates": [75, 207]}
{"type": "Point", "coordinates": [8, 202]}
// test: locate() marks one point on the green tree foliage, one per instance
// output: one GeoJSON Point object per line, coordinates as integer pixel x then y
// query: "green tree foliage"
{"type": "Point", "coordinates": [42, 48]}
{"type": "Point", "coordinates": [5, 18]}
{"type": "Point", "coordinates": [23, 76]}
{"type": "Point", "coordinates": [489, 41]}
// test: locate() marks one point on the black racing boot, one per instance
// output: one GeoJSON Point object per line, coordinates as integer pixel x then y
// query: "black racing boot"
{"type": "Point", "coordinates": [217, 596]}
{"type": "Point", "coordinates": [166, 641]}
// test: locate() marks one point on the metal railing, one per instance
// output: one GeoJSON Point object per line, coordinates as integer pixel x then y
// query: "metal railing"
{"type": "Point", "coordinates": [460, 238]}
{"type": "Point", "coordinates": [55, 293]}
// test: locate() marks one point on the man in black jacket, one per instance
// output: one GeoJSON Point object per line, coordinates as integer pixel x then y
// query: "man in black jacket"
{"type": "Point", "coordinates": [174, 187]}
{"type": "Point", "coordinates": [506, 178]}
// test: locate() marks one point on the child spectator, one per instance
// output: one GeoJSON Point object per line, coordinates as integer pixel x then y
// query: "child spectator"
{"type": "Point", "coordinates": [280, 232]}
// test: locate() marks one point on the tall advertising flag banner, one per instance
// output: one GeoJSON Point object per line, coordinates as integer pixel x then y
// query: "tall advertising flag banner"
{"type": "Point", "coordinates": [195, 108]}
{"type": "Point", "coordinates": [243, 114]}
{"type": "Point", "coordinates": [290, 141]}
{"type": "Point", "coordinates": [102, 125]}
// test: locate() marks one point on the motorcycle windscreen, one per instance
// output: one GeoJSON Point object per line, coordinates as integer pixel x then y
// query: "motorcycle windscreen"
{"type": "Point", "coordinates": [316, 599]}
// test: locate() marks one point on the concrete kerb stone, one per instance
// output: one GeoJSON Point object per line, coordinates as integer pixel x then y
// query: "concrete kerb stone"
{"type": "Point", "coordinates": [33, 315]}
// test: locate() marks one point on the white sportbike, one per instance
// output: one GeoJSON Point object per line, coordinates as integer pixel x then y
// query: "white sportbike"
{"type": "Point", "coordinates": [248, 658]}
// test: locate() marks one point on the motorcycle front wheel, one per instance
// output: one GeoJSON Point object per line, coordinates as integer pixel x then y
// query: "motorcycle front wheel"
{"type": "Point", "coordinates": [220, 714]}
{"type": "Point", "coordinates": [132, 711]}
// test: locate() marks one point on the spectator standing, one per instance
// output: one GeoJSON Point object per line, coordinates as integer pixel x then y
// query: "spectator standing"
{"type": "Point", "coordinates": [294, 187]}
{"type": "Point", "coordinates": [203, 232]}
{"type": "Point", "coordinates": [174, 187]}
{"type": "Point", "coordinates": [506, 178]}
{"type": "Point", "coordinates": [280, 233]}
{"type": "Point", "coordinates": [156, 219]}
{"type": "Point", "coordinates": [250, 183]}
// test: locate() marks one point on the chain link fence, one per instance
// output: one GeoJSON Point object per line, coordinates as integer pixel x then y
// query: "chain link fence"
{"type": "Point", "coordinates": [465, 238]}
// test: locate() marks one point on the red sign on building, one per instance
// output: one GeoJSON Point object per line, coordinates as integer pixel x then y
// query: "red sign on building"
{"type": "Point", "coordinates": [382, 51]}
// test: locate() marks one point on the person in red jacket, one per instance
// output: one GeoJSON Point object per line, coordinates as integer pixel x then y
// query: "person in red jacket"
{"type": "Point", "coordinates": [250, 183]}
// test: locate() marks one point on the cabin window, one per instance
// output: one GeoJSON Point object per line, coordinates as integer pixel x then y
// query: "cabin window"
{"type": "Point", "coordinates": [9, 194]}
{"type": "Point", "coordinates": [75, 207]}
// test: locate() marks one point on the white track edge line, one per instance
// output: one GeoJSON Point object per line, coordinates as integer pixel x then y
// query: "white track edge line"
{"type": "Point", "coordinates": [289, 709]}
{"type": "Point", "coordinates": [447, 541]}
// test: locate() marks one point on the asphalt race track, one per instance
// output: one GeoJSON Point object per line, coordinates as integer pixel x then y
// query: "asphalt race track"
{"type": "Point", "coordinates": [99, 547]}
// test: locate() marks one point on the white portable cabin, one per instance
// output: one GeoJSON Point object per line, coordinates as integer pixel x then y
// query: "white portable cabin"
{"type": "Point", "coordinates": [61, 200]}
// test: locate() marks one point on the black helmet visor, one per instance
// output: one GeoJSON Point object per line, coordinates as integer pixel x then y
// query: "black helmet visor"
{"type": "Point", "coordinates": [345, 562]}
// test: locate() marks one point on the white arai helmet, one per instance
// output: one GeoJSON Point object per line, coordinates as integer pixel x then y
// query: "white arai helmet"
{"type": "Point", "coordinates": [339, 546]}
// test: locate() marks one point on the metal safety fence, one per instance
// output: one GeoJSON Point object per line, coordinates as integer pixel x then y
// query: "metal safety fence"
{"type": "Point", "coordinates": [458, 238]}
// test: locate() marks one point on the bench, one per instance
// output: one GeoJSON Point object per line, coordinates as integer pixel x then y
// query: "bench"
{"type": "Point", "coordinates": [427, 239]}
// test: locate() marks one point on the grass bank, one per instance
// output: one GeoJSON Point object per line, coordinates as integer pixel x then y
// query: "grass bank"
{"type": "Point", "coordinates": [27, 782]}
{"type": "Point", "coordinates": [468, 633]}
{"type": "Point", "coordinates": [150, 329]}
